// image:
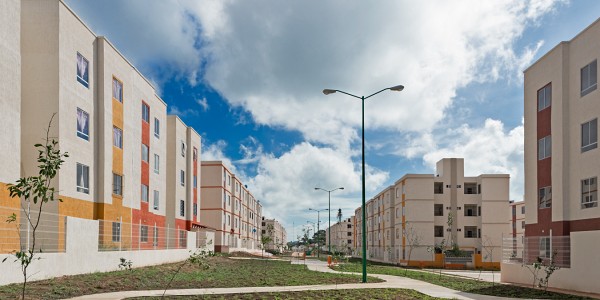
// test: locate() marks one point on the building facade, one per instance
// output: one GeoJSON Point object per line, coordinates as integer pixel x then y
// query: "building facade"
{"type": "Point", "coordinates": [229, 208]}
{"type": "Point", "coordinates": [342, 236]}
{"type": "Point", "coordinates": [276, 232]}
{"type": "Point", "coordinates": [562, 163]}
{"type": "Point", "coordinates": [421, 212]}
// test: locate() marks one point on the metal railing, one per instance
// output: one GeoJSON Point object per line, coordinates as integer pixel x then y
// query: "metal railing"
{"type": "Point", "coordinates": [50, 235]}
{"type": "Point", "coordinates": [122, 236]}
{"type": "Point", "coordinates": [527, 250]}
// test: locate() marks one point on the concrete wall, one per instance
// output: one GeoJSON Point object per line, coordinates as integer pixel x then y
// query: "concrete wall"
{"type": "Point", "coordinates": [82, 255]}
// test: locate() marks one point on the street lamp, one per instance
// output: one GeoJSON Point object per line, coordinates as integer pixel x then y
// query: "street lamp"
{"type": "Point", "coordinates": [396, 88]}
{"type": "Point", "coordinates": [318, 226]}
{"type": "Point", "coordinates": [329, 192]}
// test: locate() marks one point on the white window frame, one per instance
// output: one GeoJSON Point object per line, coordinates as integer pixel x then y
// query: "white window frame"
{"type": "Point", "coordinates": [545, 147]}
{"type": "Point", "coordinates": [156, 200]}
{"type": "Point", "coordinates": [145, 190]}
{"type": "Point", "coordinates": [157, 127]}
{"type": "Point", "coordinates": [182, 149]}
{"type": "Point", "coordinates": [81, 133]}
{"type": "Point", "coordinates": [83, 178]}
{"type": "Point", "coordinates": [544, 96]}
{"type": "Point", "coordinates": [83, 67]}
{"type": "Point", "coordinates": [145, 153]}
{"type": "Point", "coordinates": [545, 197]}
{"type": "Point", "coordinates": [589, 192]}
{"type": "Point", "coordinates": [545, 251]}
{"type": "Point", "coordinates": [589, 78]}
{"type": "Point", "coordinates": [589, 135]}
{"type": "Point", "coordinates": [117, 137]}
{"type": "Point", "coordinates": [145, 112]}
{"type": "Point", "coordinates": [117, 87]}
{"type": "Point", "coordinates": [156, 163]}
{"type": "Point", "coordinates": [182, 177]}
{"type": "Point", "coordinates": [117, 186]}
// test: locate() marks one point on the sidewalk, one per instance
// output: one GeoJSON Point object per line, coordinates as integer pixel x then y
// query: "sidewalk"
{"type": "Point", "coordinates": [314, 265]}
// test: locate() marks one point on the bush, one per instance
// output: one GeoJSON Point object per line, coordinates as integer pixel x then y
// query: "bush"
{"type": "Point", "coordinates": [273, 251]}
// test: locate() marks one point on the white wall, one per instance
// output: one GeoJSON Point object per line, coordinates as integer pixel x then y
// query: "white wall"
{"type": "Point", "coordinates": [82, 255]}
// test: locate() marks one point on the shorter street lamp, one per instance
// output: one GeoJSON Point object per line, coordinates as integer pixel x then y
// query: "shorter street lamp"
{"type": "Point", "coordinates": [318, 227]}
{"type": "Point", "coordinates": [329, 192]}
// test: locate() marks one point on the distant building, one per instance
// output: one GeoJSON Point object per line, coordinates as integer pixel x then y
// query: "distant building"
{"type": "Point", "coordinates": [342, 236]}
{"type": "Point", "coordinates": [562, 164]}
{"type": "Point", "coordinates": [273, 229]}
{"type": "Point", "coordinates": [422, 211]}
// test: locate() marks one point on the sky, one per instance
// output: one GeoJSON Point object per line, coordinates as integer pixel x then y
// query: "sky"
{"type": "Point", "coordinates": [249, 75]}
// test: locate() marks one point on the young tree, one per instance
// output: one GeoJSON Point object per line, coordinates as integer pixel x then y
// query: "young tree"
{"type": "Point", "coordinates": [488, 248]}
{"type": "Point", "coordinates": [36, 190]}
{"type": "Point", "coordinates": [413, 240]}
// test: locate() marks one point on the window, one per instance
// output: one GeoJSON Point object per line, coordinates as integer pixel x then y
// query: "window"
{"type": "Point", "coordinates": [589, 192]}
{"type": "Point", "coordinates": [438, 231]}
{"type": "Point", "coordinates": [83, 124]}
{"type": "Point", "coordinates": [145, 153]}
{"type": "Point", "coordinates": [545, 247]}
{"type": "Point", "coordinates": [545, 197]}
{"type": "Point", "coordinates": [479, 211]}
{"type": "Point", "coordinates": [522, 224]}
{"type": "Point", "coordinates": [144, 233]}
{"type": "Point", "coordinates": [117, 184]}
{"type": "Point", "coordinates": [116, 232]}
{"type": "Point", "coordinates": [145, 112]}
{"type": "Point", "coordinates": [438, 210]}
{"type": "Point", "coordinates": [544, 97]}
{"type": "Point", "coordinates": [479, 189]}
{"type": "Point", "coordinates": [589, 78]}
{"type": "Point", "coordinates": [195, 181]}
{"type": "Point", "coordinates": [523, 209]}
{"type": "Point", "coordinates": [470, 210]}
{"type": "Point", "coordinates": [182, 177]}
{"type": "Point", "coordinates": [83, 72]}
{"type": "Point", "coordinates": [83, 178]}
{"type": "Point", "coordinates": [181, 208]}
{"type": "Point", "coordinates": [589, 135]}
{"type": "Point", "coordinates": [156, 200]}
{"type": "Point", "coordinates": [470, 232]}
{"type": "Point", "coordinates": [156, 128]}
{"type": "Point", "coordinates": [470, 188]}
{"type": "Point", "coordinates": [117, 90]}
{"type": "Point", "coordinates": [195, 209]}
{"type": "Point", "coordinates": [117, 137]}
{"type": "Point", "coordinates": [144, 193]}
{"type": "Point", "coordinates": [438, 187]}
{"type": "Point", "coordinates": [195, 153]}
{"type": "Point", "coordinates": [545, 147]}
{"type": "Point", "coordinates": [156, 164]}
{"type": "Point", "coordinates": [182, 238]}
{"type": "Point", "coordinates": [182, 149]}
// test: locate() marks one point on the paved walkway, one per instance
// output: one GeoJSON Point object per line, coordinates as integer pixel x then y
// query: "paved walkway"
{"type": "Point", "coordinates": [315, 265]}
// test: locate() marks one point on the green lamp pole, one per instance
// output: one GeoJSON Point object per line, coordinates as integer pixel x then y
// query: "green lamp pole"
{"type": "Point", "coordinates": [397, 88]}
{"type": "Point", "coordinates": [318, 228]}
{"type": "Point", "coordinates": [329, 192]}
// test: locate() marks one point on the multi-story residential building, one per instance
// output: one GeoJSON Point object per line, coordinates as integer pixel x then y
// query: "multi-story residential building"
{"type": "Point", "coordinates": [517, 219]}
{"type": "Point", "coordinates": [183, 174]}
{"type": "Point", "coordinates": [562, 163]}
{"type": "Point", "coordinates": [427, 210]}
{"type": "Point", "coordinates": [10, 115]}
{"type": "Point", "coordinates": [276, 232]}
{"type": "Point", "coordinates": [229, 208]}
{"type": "Point", "coordinates": [342, 236]}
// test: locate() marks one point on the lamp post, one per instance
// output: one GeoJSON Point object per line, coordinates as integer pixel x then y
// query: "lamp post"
{"type": "Point", "coordinates": [397, 88]}
{"type": "Point", "coordinates": [318, 227]}
{"type": "Point", "coordinates": [329, 192]}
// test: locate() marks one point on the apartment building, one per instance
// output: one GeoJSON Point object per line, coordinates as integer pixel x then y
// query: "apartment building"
{"type": "Point", "coordinates": [273, 229]}
{"type": "Point", "coordinates": [183, 174]}
{"type": "Point", "coordinates": [342, 236]}
{"type": "Point", "coordinates": [562, 163]}
{"type": "Point", "coordinates": [229, 208]}
{"type": "Point", "coordinates": [427, 210]}
{"type": "Point", "coordinates": [107, 116]}
{"type": "Point", "coordinates": [10, 115]}
{"type": "Point", "coordinates": [517, 218]}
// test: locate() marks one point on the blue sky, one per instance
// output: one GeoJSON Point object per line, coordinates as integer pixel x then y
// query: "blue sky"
{"type": "Point", "coordinates": [248, 77]}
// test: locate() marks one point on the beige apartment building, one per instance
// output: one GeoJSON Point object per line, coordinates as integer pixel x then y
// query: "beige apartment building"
{"type": "Point", "coordinates": [107, 116]}
{"type": "Point", "coordinates": [562, 164]}
{"type": "Point", "coordinates": [423, 211]}
{"type": "Point", "coordinates": [229, 208]}
{"type": "Point", "coordinates": [273, 229]}
{"type": "Point", "coordinates": [342, 236]}
{"type": "Point", "coordinates": [10, 115]}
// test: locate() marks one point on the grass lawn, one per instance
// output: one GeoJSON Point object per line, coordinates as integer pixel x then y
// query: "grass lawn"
{"type": "Point", "coordinates": [223, 272]}
{"type": "Point", "coordinates": [365, 294]}
{"type": "Point", "coordinates": [460, 284]}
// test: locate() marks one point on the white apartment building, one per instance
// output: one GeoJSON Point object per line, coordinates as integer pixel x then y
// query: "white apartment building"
{"type": "Point", "coordinates": [273, 229]}
{"type": "Point", "coordinates": [428, 210]}
{"type": "Point", "coordinates": [562, 165]}
{"type": "Point", "coordinates": [342, 236]}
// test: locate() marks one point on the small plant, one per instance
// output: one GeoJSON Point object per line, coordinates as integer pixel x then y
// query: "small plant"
{"type": "Point", "coordinates": [198, 258]}
{"type": "Point", "coordinates": [413, 239]}
{"type": "Point", "coordinates": [125, 264]}
{"type": "Point", "coordinates": [549, 269]}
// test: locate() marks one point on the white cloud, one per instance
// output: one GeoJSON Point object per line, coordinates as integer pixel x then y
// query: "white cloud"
{"type": "Point", "coordinates": [215, 152]}
{"type": "Point", "coordinates": [174, 110]}
{"type": "Point", "coordinates": [203, 103]}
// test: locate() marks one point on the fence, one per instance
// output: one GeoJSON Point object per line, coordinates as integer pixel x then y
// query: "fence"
{"type": "Point", "coordinates": [50, 234]}
{"type": "Point", "coordinates": [121, 236]}
{"type": "Point", "coordinates": [527, 250]}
